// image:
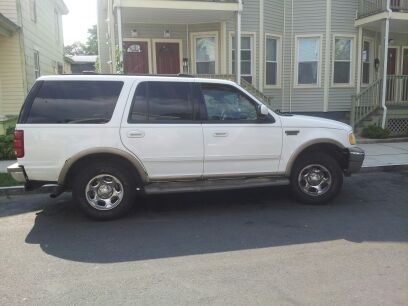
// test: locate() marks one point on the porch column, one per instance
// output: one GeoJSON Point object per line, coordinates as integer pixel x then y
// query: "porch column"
{"type": "Point", "coordinates": [238, 45]}
{"type": "Point", "coordinates": [359, 60]}
{"type": "Point", "coordinates": [120, 38]}
{"type": "Point", "coordinates": [385, 66]}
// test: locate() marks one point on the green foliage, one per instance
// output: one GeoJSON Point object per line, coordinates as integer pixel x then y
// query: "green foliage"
{"type": "Point", "coordinates": [89, 48]}
{"type": "Point", "coordinates": [6, 145]}
{"type": "Point", "coordinates": [375, 132]}
{"type": "Point", "coordinates": [119, 63]}
{"type": "Point", "coordinates": [6, 180]}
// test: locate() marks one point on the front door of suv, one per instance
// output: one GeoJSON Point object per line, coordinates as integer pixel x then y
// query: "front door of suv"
{"type": "Point", "coordinates": [163, 129]}
{"type": "Point", "coordinates": [237, 139]}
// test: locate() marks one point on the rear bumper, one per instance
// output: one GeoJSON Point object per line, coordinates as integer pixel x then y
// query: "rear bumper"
{"type": "Point", "coordinates": [355, 160]}
{"type": "Point", "coordinates": [17, 172]}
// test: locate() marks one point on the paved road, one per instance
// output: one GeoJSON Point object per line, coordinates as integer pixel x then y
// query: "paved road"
{"type": "Point", "coordinates": [223, 248]}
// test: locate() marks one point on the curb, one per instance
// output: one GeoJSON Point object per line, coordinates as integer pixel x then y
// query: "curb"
{"type": "Point", "coordinates": [387, 168]}
{"type": "Point", "coordinates": [19, 190]}
{"type": "Point", "coordinates": [390, 140]}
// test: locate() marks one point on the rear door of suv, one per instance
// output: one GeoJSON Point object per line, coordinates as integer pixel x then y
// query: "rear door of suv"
{"type": "Point", "coordinates": [162, 127]}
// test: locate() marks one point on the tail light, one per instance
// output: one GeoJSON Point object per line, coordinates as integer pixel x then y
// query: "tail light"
{"type": "Point", "coordinates": [18, 143]}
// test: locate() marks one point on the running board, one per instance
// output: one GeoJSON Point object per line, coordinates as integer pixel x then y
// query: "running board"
{"type": "Point", "coordinates": [214, 185]}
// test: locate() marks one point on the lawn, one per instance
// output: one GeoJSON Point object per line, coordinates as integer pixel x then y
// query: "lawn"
{"type": "Point", "coordinates": [6, 180]}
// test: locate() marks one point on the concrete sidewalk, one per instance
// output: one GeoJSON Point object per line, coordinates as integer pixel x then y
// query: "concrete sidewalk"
{"type": "Point", "coordinates": [377, 155]}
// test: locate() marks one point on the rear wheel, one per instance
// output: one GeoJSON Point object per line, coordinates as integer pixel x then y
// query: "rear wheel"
{"type": "Point", "coordinates": [316, 178]}
{"type": "Point", "coordinates": [104, 191]}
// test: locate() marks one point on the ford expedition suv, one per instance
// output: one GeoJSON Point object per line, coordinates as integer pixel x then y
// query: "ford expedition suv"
{"type": "Point", "coordinates": [108, 138]}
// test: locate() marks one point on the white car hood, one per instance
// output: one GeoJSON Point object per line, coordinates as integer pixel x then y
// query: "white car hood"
{"type": "Point", "coordinates": [299, 121]}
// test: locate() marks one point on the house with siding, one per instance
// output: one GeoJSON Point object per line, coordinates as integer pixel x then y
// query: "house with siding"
{"type": "Point", "coordinates": [31, 45]}
{"type": "Point", "coordinates": [341, 59]}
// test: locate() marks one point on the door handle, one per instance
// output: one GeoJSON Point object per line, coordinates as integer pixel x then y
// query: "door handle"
{"type": "Point", "coordinates": [135, 134]}
{"type": "Point", "coordinates": [220, 134]}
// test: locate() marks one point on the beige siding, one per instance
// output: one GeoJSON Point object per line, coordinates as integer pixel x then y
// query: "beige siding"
{"type": "Point", "coordinates": [9, 9]}
{"type": "Point", "coordinates": [11, 76]}
{"type": "Point", "coordinates": [41, 36]}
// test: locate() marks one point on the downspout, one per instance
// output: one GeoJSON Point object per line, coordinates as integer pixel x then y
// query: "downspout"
{"type": "Point", "coordinates": [238, 44]}
{"type": "Point", "coordinates": [291, 60]}
{"type": "Point", "coordinates": [385, 66]}
{"type": "Point", "coordinates": [283, 55]}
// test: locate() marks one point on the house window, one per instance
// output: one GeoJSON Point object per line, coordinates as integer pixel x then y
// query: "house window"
{"type": "Point", "coordinates": [246, 57]}
{"type": "Point", "coordinates": [33, 10]}
{"type": "Point", "coordinates": [271, 58]}
{"type": "Point", "coordinates": [367, 59]}
{"type": "Point", "coordinates": [57, 26]}
{"type": "Point", "coordinates": [205, 54]}
{"type": "Point", "coordinates": [308, 61]}
{"type": "Point", "coordinates": [343, 48]}
{"type": "Point", "coordinates": [37, 70]}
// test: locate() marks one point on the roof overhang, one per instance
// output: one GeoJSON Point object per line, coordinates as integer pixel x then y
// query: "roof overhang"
{"type": "Point", "coordinates": [398, 24]}
{"type": "Point", "coordinates": [176, 11]}
{"type": "Point", "coordinates": [62, 7]}
{"type": "Point", "coordinates": [7, 27]}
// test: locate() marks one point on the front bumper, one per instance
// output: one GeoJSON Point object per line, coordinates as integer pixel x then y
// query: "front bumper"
{"type": "Point", "coordinates": [17, 172]}
{"type": "Point", "coordinates": [355, 160]}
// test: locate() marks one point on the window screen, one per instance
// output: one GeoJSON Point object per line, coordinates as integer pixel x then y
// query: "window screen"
{"type": "Point", "coordinates": [75, 102]}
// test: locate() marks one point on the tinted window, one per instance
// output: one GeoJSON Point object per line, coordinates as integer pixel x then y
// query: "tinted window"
{"type": "Point", "coordinates": [75, 102]}
{"type": "Point", "coordinates": [162, 101]}
{"type": "Point", "coordinates": [226, 103]}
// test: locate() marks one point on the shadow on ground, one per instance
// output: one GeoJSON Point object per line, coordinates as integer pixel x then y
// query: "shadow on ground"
{"type": "Point", "coordinates": [372, 207]}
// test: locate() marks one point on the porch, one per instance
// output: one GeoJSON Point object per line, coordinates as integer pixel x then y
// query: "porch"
{"type": "Point", "coordinates": [382, 93]}
{"type": "Point", "coordinates": [178, 36]}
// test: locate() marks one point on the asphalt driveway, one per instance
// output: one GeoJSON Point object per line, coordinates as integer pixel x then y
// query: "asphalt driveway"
{"type": "Point", "coordinates": [243, 248]}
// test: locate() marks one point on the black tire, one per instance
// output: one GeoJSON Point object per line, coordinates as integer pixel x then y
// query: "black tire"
{"type": "Point", "coordinates": [118, 172]}
{"type": "Point", "coordinates": [321, 162]}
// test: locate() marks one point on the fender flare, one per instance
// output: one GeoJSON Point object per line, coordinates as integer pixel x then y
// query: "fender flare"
{"type": "Point", "coordinates": [103, 150]}
{"type": "Point", "coordinates": [307, 145]}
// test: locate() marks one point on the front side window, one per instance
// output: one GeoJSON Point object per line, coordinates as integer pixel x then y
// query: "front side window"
{"type": "Point", "coordinates": [342, 60]}
{"type": "Point", "coordinates": [308, 60]}
{"type": "Point", "coordinates": [62, 102]}
{"type": "Point", "coordinates": [246, 57]}
{"type": "Point", "coordinates": [162, 102]}
{"type": "Point", "coordinates": [205, 51]}
{"type": "Point", "coordinates": [227, 104]}
{"type": "Point", "coordinates": [271, 57]}
{"type": "Point", "coordinates": [367, 60]}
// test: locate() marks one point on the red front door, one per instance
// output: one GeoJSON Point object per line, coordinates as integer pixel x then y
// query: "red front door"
{"type": "Point", "coordinates": [167, 58]}
{"type": "Point", "coordinates": [136, 57]}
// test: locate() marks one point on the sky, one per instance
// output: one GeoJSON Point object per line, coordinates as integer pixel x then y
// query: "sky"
{"type": "Point", "coordinates": [81, 16]}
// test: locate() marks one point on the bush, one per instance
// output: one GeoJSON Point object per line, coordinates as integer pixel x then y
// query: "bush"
{"type": "Point", "coordinates": [6, 145]}
{"type": "Point", "coordinates": [375, 132]}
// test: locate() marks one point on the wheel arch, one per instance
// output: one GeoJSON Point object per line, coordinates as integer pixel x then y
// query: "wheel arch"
{"type": "Point", "coordinates": [94, 154]}
{"type": "Point", "coordinates": [327, 145]}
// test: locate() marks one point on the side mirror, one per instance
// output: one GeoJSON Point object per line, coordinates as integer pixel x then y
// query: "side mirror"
{"type": "Point", "coordinates": [263, 110]}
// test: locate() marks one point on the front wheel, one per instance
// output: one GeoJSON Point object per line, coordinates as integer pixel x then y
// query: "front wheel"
{"type": "Point", "coordinates": [104, 191]}
{"type": "Point", "coordinates": [316, 179]}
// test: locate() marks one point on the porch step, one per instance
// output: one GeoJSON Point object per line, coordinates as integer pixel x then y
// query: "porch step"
{"type": "Point", "coordinates": [214, 184]}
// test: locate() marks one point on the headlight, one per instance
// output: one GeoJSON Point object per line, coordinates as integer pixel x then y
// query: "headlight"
{"type": "Point", "coordinates": [352, 138]}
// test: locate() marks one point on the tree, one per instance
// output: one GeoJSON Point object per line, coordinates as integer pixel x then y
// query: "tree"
{"type": "Point", "coordinates": [89, 48]}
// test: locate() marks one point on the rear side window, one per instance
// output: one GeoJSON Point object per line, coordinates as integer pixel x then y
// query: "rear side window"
{"type": "Point", "coordinates": [162, 102]}
{"type": "Point", "coordinates": [74, 102]}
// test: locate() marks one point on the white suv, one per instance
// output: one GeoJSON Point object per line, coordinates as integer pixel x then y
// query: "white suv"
{"type": "Point", "coordinates": [108, 138]}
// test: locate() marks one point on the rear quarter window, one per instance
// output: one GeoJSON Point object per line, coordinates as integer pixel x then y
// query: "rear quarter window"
{"type": "Point", "coordinates": [74, 102]}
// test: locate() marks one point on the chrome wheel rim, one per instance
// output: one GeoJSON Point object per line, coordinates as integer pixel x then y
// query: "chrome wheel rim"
{"type": "Point", "coordinates": [104, 192]}
{"type": "Point", "coordinates": [315, 180]}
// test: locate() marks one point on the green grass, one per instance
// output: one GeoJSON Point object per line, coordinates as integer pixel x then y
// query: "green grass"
{"type": "Point", "coordinates": [6, 180]}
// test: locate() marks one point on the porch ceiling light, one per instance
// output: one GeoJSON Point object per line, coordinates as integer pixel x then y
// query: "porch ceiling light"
{"type": "Point", "coordinates": [134, 33]}
{"type": "Point", "coordinates": [166, 34]}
